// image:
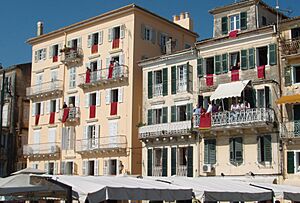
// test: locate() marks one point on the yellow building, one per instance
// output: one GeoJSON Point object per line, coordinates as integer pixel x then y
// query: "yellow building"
{"type": "Point", "coordinates": [86, 90]}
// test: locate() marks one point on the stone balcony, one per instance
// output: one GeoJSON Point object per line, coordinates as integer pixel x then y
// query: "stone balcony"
{"type": "Point", "coordinates": [70, 115]}
{"type": "Point", "coordinates": [41, 150]}
{"type": "Point", "coordinates": [45, 90]}
{"type": "Point", "coordinates": [71, 56]}
{"type": "Point", "coordinates": [290, 47]}
{"type": "Point", "coordinates": [290, 129]}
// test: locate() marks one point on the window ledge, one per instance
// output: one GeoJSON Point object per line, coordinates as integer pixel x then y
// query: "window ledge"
{"type": "Point", "coordinates": [157, 102]}
{"type": "Point", "coordinates": [113, 117]}
{"type": "Point", "coordinates": [179, 99]}
{"type": "Point", "coordinates": [113, 51]}
{"type": "Point", "coordinates": [72, 91]}
{"type": "Point", "coordinates": [52, 125]}
{"type": "Point", "coordinates": [37, 127]}
{"type": "Point", "coordinates": [92, 120]}
{"type": "Point", "coordinates": [95, 55]}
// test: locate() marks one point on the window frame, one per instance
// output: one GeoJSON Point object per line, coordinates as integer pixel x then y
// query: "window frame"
{"type": "Point", "coordinates": [72, 78]}
{"type": "Point", "coordinates": [293, 72]}
{"type": "Point", "coordinates": [148, 33]}
{"type": "Point", "coordinates": [236, 20]}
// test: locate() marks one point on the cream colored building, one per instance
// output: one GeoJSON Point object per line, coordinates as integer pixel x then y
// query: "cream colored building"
{"type": "Point", "coordinates": [97, 132]}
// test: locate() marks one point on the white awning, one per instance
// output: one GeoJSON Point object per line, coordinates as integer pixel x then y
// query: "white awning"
{"type": "Point", "coordinates": [227, 90]}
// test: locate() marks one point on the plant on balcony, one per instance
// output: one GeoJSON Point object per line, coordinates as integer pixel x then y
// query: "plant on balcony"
{"type": "Point", "coordinates": [140, 124]}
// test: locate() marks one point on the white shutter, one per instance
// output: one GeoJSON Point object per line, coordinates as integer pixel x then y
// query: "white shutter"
{"type": "Point", "coordinates": [120, 94]}
{"type": "Point", "coordinates": [77, 101]}
{"type": "Point", "coordinates": [100, 39]}
{"type": "Point", "coordinates": [55, 171]}
{"type": "Point", "coordinates": [96, 168]}
{"type": "Point", "coordinates": [5, 115]}
{"type": "Point", "coordinates": [97, 131]}
{"type": "Point", "coordinates": [107, 96]}
{"type": "Point", "coordinates": [33, 109]}
{"type": "Point", "coordinates": [107, 63]}
{"type": "Point", "coordinates": [89, 42]}
{"type": "Point", "coordinates": [50, 51]}
{"type": "Point", "coordinates": [64, 138]}
{"type": "Point", "coordinates": [46, 166]}
{"type": "Point", "coordinates": [36, 57]}
{"type": "Point", "coordinates": [42, 108]}
{"type": "Point", "coordinates": [48, 104]}
{"type": "Point", "coordinates": [98, 98]}
{"type": "Point", "coordinates": [62, 168]}
{"type": "Point", "coordinates": [87, 102]}
{"type": "Point", "coordinates": [99, 66]}
{"type": "Point", "coordinates": [71, 137]}
{"type": "Point", "coordinates": [59, 48]}
{"type": "Point", "coordinates": [69, 44]}
{"type": "Point", "coordinates": [105, 167]}
{"type": "Point", "coordinates": [85, 135]}
{"type": "Point", "coordinates": [79, 42]}
{"type": "Point", "coordinates": [122, 31]}
{"type": "Point", "coordinates": [122, 59]}
{"type": "Point", "coordinates": [110, 34]}
{"type": "Point", "coordinates": [57, 105]}
{"type": "Point", "coordinates": [44, 54]}
{"type": "Point", "coordinates": [84, 167]}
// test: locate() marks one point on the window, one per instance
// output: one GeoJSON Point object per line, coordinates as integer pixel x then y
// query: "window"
{"type": "Point", "coordinates": [234, 22]}
{"type": "Point", "coordinates": [114, 95]}
{"type": "Point", "coordinates": [158, 157]}
{"type": "Point", "coordinates": [49, 168]}
{"type": "Point", "coordinates": [116, 32]}
{"type": "Point", "coordinates": [38, 109]}
{"type": "Point", "coordinates": [236, 150]}
{"type": "Point", "coordinates": [263, 98]}
{"type": "Point", "coordinates": [182, 78]}
{"type": "Point", "coordinates": [163, 39]}
{"type": "Point", "coordinates": [92, 99]}
{"type": "Point", "coordinates": [72, 100]}
{"type": "Point", "coordinates": [210, 151]}
{"type": "Point", "coordinates": [210, 65]}
{"type": "Point", "coordinates": [181, 113]}
{"type": "Point", "coordinates": [148, 33]}
{"type": "Point", "coordinates": [68, 168]}
{"type": "Point", "coordinates": [73, 44]}
{"type": "Point", "coordinates": [91, 167]}
{"type": "Point", "coordinates": [72, 75]}
{"type": "Point", "coordinates": [95, 38]}
{"type": "Point", "coordinates": [296, 74]}
{"type": "Point", "coordinates": [110, 167]}
{"type": "Point", "coordinates": [235, 61]}
{"type": "Point", "coordinates": [158, 83]}
{"type": "Point", "coordinates": [54, 50]}
{"type": "Point", "coordinates": [157, 116]}
{"type": "Point", "coordinates": [295, 33]}
{"type": "Point", "coordinates": [40, 55]}
{"type": "Point", "coordinates": [263, 21]}
{"type": "Point", "coordinates": [262, 56]}
{"type": "Point", "coordinates": [264, 146]}
{"type": "Point", "coordinates": [182, 158]}
{"type": "Point", "coordinates": [53, 105]}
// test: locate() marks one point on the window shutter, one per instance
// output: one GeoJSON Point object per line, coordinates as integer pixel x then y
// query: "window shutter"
{"type": "Point", "coordinates": [48, 103]}
{"type": "Point", "coordinates": [225, 63]}
{"type": "Point", "coordinates": [189, 111]}
{"type": "Point", "coordinates": [173, 161]}
{"type": "Point", "coordinates": [122, 59]}
{"type": "Point", "coordinates": [259, 149]}
{"type": "Point", "coordinates": [50, 52]}
{"type": "Point", "coordinates": [72, 137]}
{"type": "Point", "coordinates": [153, 36]}
{"type": "Point", "coordinates": [206, 147]}
{"type": "Point", "coordinates": [87, 100]}
{"type": "Point", "coordinates": [224, 25]}
{"type": "Point", "coordinates": [173, 79]}
{"type": "Point", "coordinates": [251, 57]}
{"type": "Point", "coordinates": [63, 138]}
{"type": "Point", "coordinates": [42, 108]}
{"type": "Point", "coordinates": [173, 113]}
{"type": "Point", "coordinates": [149, 115]}
{"type": "Point", "coordinates": [239, 150]}
{"type": "Point", "coordinates": [110, 34]}
{"type": "Point", "coordinates": [165, 81]}
{"type": "Point", "coordinates": [36, 56]}
{"type": "Point", "coordinates": [244, 62]}
{"type": "Point", "coordinates": [217, 64]}
{"type": "Point", "coordinates": [122, 31]}
{"type": "Point", "coordinates": [267, 97]}
{"type": "Point", "coordinates": [59, 48]}
{"type": "Point", "coordinates": [165, 162]}
{"type": "Point", "coordinates": [107, 96]}
{"type": "Point", "coordinates": [79, 42]}
{"type": "Point", "coordinates": [96, 168]}
{"type": "Point", "coordinates": [190, 162]}
{"type": "Point", "coordinates": [77, 101]}
{"type": "Point", "coordinates": [189, 78]}
{"type": "Point", "coordinates": [57, 105]}
{"type": "Point", "coordinates": [165, 114]}
{"type": "Point", "coordinates": [55, 172]}
{"type": "Point", "coordinates": [150, 85]}
{"type": "Point", "coordinates": [98, 98]}
{"type": "Point", "coordinates": [46, 166]}
{"type": "Point", "coordinates": [99, 67]}
{"type": "Point", "coordinates": [268, 148]}
{"type": "Point", "coordinates": [212, 152]}
{"type": "Point", "coordinates": [84, 167]}
{"type": "Point", "coordinates": [200, 67]}
{"type": "Point", "coordinates": [159, 38]}
{"type": "Point", "coordinates": [89, 42]}
{"type": "Point", "coordinates": [107, 62]}
{"type": "Point", "coordinates": [87, 65]}
{"type": "Point", "coordinates": [143, 31]}
{"type": "Point", "coordinates": [100, 37]}
{"type": "Point", "coordinates": [272, 54]}
{"type": "Point", "coordinates": [231, 150]}
{"type": "Point", "coordinates": [44, 54]}
{"type": "Point", "coordinates": [243, 20]}
{"type": "Point", "coordinates": [120, 94]}
{"type": "Point", "coordinates": [149, 172]}
{"type": "Point", "coordinates": [97, 131]}
{"type": "Point", "coordinates": [69, 44]}
{"type": "Point", "coordinates": [105, 167]}
{"type": "Point", "coordinates": [290, 162]}
{"type": "Point", "coordinates": [287, 76]}
{"type": "Point", "coordinates": [62, 168]}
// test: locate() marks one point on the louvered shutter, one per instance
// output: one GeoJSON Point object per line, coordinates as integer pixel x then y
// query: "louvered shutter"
{"type": "Point", "coordinates": [287, 76]}
{"type": "Point", "coordinates": [48, 104]}
{"type": "Point", "coordinates": [42, 108]}
{"type": "Point", "coordinates": [225, 63]}
{"type": "Point", "coordinates": [105, 167]}
{"type": "Point", "coordinates": [97, 131]}
{"type": "Point", "coordinates": [165, 81]}
{"type": "Point", "coordinates": [79, 42]}
{"type": "Point", "coordinates": [57, 105]}
{"type": "Point", "coordinates": [153, 35]}
{"type": "Point", "coordinates": [239, 150]}
{"type": "Point", "coordinates": [165, 114]}
{"type": "Point", "coordinates": [50, 52]}
{"type": "Point", "coordinates": [100, 37]}
{"type": "Point", "coordinates": [190, 161]}
{"type": "Point", "coordinates": [149, 116]}
{"type": "Point", "coordinates": [206, 148]}
{"type": "Point", "coordinates": [89, 41]}
{"type": "Point", "coordinates": [46, 166]}
{"type": "Point", "coordinates": [77, 101]}
{"type": "Point", "coordinates": [110, 34]}
{"type": "Point", "coordinates": [96, 168]}
{"type": "Point", "coordinates": [107, 96]}
{"type": "Point", "coordinates": [98, 98]}
{"type": "Point", "coordinates": [64, 138]}
{"type": "Point", "coordinates": [87, 100]}
{"type": "Point", "coordinates": [290, 162]}
{"type": "Point", "coordinates": [251, 57]}
{"type": "Point", "coordinates": [173, 113]}
{"type": "Point", "coordinates": [224, 25]}
{"type": "Point", "coordinates": [243, 17]}
{"type": "Point", "coordinates": [231, 150]}
{"type": "Point", "coordinates": [149, 162]}
{"type": "Point", "coordinates": [259, 149]}
{"type": "Point", "coordinates": [189, 78]}
{"type": "Point", "coordinates": [189, 111]}
{"type": "Point", "coordinates": [55, 172]}
{"type": "Point", "coordinates": [212, 151]}
{"type": "Point", "coordinates": [268, 148]}
{"type": "Point", "coordinates": [63, 168]}
{"type": "Point", "coordinates": [272, 54]}
{"type": "Point", "coordinates": [165, 162]}
{"type": "Point", "coordinates": [120, 94]}
{"type": "Point", "coordinates": [84, 167]}
{"type": "Point", "coordinates": [150, 85]}
{"type": "Point", "coordinates": [200, 67]}
{"type": "Point", "coordinates": [59, 49]}
{"type": "Point", "coordinates": [218, 64]}
{"type": "Point", "coordinates": [244, 58]}
{"type": "Point", "coordinates": [36, 56]}
{"type": "Point", "coordinates": [173, 161]}
{"type": "Point", "coordinates": [173, 79]}
{"type": "Point", "coordinates": [122, 31]}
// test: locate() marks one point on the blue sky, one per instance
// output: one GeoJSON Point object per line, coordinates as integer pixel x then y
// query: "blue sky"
{"type": "Point", "coordinates": [18, 18]}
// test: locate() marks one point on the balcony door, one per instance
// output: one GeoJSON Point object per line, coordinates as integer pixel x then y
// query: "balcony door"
{"type": "Point", "coordinates": [38, 82]}
{"type": "Point", "coordinates": [113, 130]}
{"type": "Point", "coordinates": [297, 120]}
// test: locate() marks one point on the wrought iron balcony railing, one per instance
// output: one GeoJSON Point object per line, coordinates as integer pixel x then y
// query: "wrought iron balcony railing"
{"type": "Point", "coordinates": [290, 47]}
{"type": "Point", "coordinates": [41, 149]}
{"type": "Point", "coordinates": [181, 170]}
{"type": "Point", "coordinates": [290, 129]}
{"type": "Point", "coordinates": [45, 88]}
{"type": "Point", "coordinates": [157, 90]}
{"type": "Point", "coordinates": [71, 55]}
{"type": "Point", "coordinates": [165, 129]}
{"type": "Point", "coordinates": [157, 171]}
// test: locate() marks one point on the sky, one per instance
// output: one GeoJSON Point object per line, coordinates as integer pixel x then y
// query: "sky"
{"type": "Point", "coordinates": [18, 18]}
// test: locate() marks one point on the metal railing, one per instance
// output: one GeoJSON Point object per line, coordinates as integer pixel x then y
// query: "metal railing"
{"type": "Point", "coordinates": [73, 113]}
{"type": "Point", "coordinates": [157, 90]}
{"type": "Point", "coordinates": [181, 127]}
{"type": "Point", "coordinates": [157, 171]}
{"type": "Point", "coordinates": [104, 75]}
{"type": "Point", "coordinates": [41, 148]}
{"type": "Point", "coordinates": [56, 85]}
{"type": "Point", "coordinates": [71, 55]}
{"type": "Point", "coordinates": [290, 47]}
{"type": "Point", "coordinates": [109, 142]}
{"type": "Point", "coordinates": [290, 129]}
{"type": "Point", "coordinates": [181, 170]}
{"type": "Point", "coordinates": [181, 86]}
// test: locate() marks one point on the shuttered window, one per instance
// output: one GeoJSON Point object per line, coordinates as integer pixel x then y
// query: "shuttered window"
{"type": "Point", "coordinates": [190, 162]}
{"type": "Point", "coordinates": [165, 114]}
{"type": "Point", "coordinates": [149, 163]}
{"type": "Point", "coordinates": [165, 81]}
{"type": "Point", "coordinates": [251, 57]}
{"type": "Point", "coordinates": [272, 54]}
{"type": "Point", "coordinates": [173, 113]}
{"type": "Point", "coordinates": [236, 150]}
{"type": "Point", "coordinates": [173, 160]}
{"type": "Point", "coordinates": [200, 67]}
{"type": "Point", "coordinates": [173, 79]}
{"type": "Point", "coordinates": [150, 85]}
{"type": "Point", "coordinates": [189, 78]}
{"type": "Point", "coordinates": [243, 20]}
{"type": "Point", "coordinates": [244, 60]}
{"type": "Point", "coordinates": [264, 148]}
{"type": "Point", "coordinates": [210, 151]}
{"type": "Point", "coordinates": [224, 25]}
{"type": "Point", "coordinates": [218, 64]}
{"type": "Point", "coordinates": [189, 111]}
{"type": "Point", "coordinates": [149, 116]}
{"type": "Point", "coordinates": [225, 63]}
{"type": "Point", "coordinates": [287, 76]}
{"type": "Point", "coordinates": [165, 162]}
{"type": "Point", "coordinates": [290, 162]}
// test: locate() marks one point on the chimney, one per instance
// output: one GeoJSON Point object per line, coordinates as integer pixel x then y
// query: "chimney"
{"type": "Point", "coordinates": [184, 20]}
{"type": "Point", "coordinates": [40, 28]}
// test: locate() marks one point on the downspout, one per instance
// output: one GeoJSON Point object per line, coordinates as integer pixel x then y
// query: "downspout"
{"type": "Point", "coordinates": [256, 15]}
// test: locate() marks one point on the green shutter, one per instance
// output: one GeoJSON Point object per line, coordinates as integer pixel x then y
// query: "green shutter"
{"type": "Point", "coordinates": [212, 152]}
{"type": "Point", "coordinates": [251, 57]}
{"type": "Point", "coordinates": [239, 150]}
{"type": "Point", "coordinates": [243, 20]}
{"type": "Point", "coordinates": [149, 172]}
{"type": "Point", "coordinates": [259, 149]}
{"type": "Point", "coordinates": [287, 76]}
{"type": "Point", "coordinates": [231, 150]}
{"type": "Point", "coordinates": [224, 25]}
{"type": "Point", "coordinates": [290, 162]}
{"type": "Point", "coordinates": [165, 162]}
{"type": "Point", "coordinates": [218, 64]}
{"type": "Point", "coordinates": [150, 85]}
{"type": "Point", "coordinates": [268, 148]}
{"type": "Point", "coordinates": [149, 116]}
{"type": "Point", "coordinates": [173, 161]}
{"type": "Point", "coordinates": [254, 97]}
{"type": "Point", "coordinates": [272, 54]}
{"type": "Point", "coordinates": [165, 114]}
{"type": "Point", "coordinates": [200, 67]}
{"type": "Point", "coordinates": [165, 81]}
{"type": "Point", "coordinates": [173, 113]}
{"type": "Point", "coordinates": [173, 79]}
{"type": "Point", "coordinates": [244, 62]}
{"type": "Point", "coordinates": [189, 78]}
{"type": "Point", "coordinates": [225, 63]}
{"type": "Point", "coordinates": [190, 162]}
{"type": "Point", "coordinates": [206, 147]}
{"type": "Point", "coordinates": [189, 111]}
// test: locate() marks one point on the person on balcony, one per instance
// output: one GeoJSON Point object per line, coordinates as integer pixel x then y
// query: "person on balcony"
{"type": "Point", "coordinates": [245, 105]}
{"type": "Point", "coordinates": [235, 106]}
{"type": "Point", "coordinates": [88, 75]}
{"type": "Point", "coordinates": [209, 109]}
{"type": "Point", "coordinates": [65, 105]}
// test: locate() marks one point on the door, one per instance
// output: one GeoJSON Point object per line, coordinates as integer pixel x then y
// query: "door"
{"type": "Point", "coordinates": [297, 120]}
{"type": "Point", "coordinates": [113, 130]}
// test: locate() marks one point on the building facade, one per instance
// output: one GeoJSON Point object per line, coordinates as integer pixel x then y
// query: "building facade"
{"type": "Point", "coordinates": [86, 90]}
{"type": "Point", "coordinates": [15, 114]}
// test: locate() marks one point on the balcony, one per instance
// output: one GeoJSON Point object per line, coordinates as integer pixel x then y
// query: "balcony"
{"type": "Point", "coordinates": [44, 90]}
{"type": "Point", "coordinates": [41, 150]}
{"type": "Point", "coordinates": [102, 145]}
{"type": "Point", "coordinates": [165, 129]}
{"type": "Point", "coordinates": [290, 47]}
{"type": "Point", "coordinates": [71, 56]}
{"type": "Point", "coordinates": [157, 171]}
{"type": "Point", "coordinates": [290, 129]}
{"type": "Point", "coordinates": [181, 86]}
{"type": "Point", "coordinates": [113, 76]}
{"type": "Point", "coordinates": [70, 116]}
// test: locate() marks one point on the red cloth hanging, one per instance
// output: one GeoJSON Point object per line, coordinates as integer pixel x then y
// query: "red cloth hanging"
{"type": "Point", "coordinates": [233, 34]}
{"type": "Point", "coordinates": [37, 118]}
{"type": "Point", "coordinates": [88, 76]}
{"type": "Point", "coordinates": [205, 121]}
{"type": "Point", "coordinates": [65, 115]}
{"type": "Point", "coordinates": [52, 118]}
{"type": "Point", "coordinates": [110, 70]}
{"type": "Point", "coordinates": [116, 43]}
{"type": "Point", "coordinates": [113, 108]}
{"type": "Point", "coordinates": [209, 79]}
{"type": "Point", "coordinates": [92, 111]}
{"type": "Point", "coordinates": [261, 71]}
{"type": "Point", "coordinates": [54, 58]}
{"type": "Point", "coordinates": [234, 75]}
{"type": "Point", "coordinates": [95, 48]}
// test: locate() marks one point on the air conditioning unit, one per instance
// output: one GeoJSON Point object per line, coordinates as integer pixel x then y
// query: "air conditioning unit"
{"type": "Point", "coordinates": [207, 168]}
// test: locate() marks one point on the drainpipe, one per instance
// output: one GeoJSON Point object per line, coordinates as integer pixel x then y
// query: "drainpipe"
{"type": "Point", "coordinates": [2, 138]}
